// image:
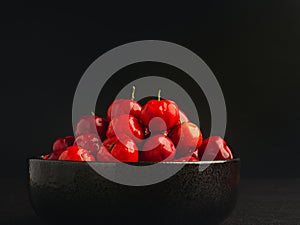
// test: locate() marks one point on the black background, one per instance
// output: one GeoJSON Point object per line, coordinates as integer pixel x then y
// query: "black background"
{"type": "Point", "coordinates": [252, 47]}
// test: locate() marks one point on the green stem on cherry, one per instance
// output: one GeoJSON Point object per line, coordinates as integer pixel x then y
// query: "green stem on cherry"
{"type": "Point", "coordinates": [110, 146]}
{"type": "Point", "coordinates": [158, 95]}
{"type": "Point", "coordinates": [132, 93]}
{"type": "Point", "coordinates": [93, 114]}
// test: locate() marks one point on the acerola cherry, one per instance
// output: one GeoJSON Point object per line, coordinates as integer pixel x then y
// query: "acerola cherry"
{"type": "Point", "coordinates": [103, 154]}
{"type": "Point", "coordinates": [163, 113]}
{"type": "Point", "coordinates": [76, 153]}
{"type": "Point", "coordinates": [45, 157]}
{"type": "Point", "coordinates": [127, 125]}
{"type": "Point", "coordinates": [215, 148]}
{"type": "Point", "coordinates": [113, 149]}
{"type": "Point", "coordinates": [157, 148]}
{"type": "Point", "coordinates": [91, 125]}
{"type": "Point", "coordinates": [187, 137]}
{"type": "Point", "coordinates": [62, 143]}
{"type": "Point", "coordinates": [183, 117]}
{"type": "Point", "coordinates": [90, 142]}
{"type": "Point", "coordinates": [195, 154]}
{"type": "Point", "coordinates": [124, 106]}
{"type": "Point", "coordinates": [59, 146]}
{"type": "Point", "coordinates": [55, 155]}
{"type": "Point", "coordinates": [125, 151]}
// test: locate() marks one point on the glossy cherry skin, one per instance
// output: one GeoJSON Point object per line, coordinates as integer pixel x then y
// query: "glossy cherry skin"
{"type": "Point", "coordinates": [91, 125]}
{"type": "Point", "coordinates": [125, 151]}
{"type": "Point", "coordinates": [59, 146]}
{"type": "Point", "coordinates": [157, 148]}
{"type": "Point", "coordinates": [76, 153]}
{"type": "Point", "coordinates": [186, 159]}
{"type": "Point", "coordinates": [114, 149]}
{"type": "Point", "coordinates": [55, 155]}
{"type": "Point", "coordinates": [62, 143]}
{"type": "Point", "coordinates": [123, 106]}
{"type": "Point", "coordinates": [183, 117]}
{"type": "Point", "coordinates": [195, 154]}
{"type": "Point", "coordinates": [165, 110]}
{"type": "Point", "coordinates": [187, 138]}
{"type": "Point", "coordinates": [214, 146]}
{"type": "Point", "coordinates": [104, 154]}
{"type": "Point", "coordinates": [127, 125]}
{"type": "Point", "coordinates": [90, 142]}
{"type": "Point", "coordinates": [45, 157]}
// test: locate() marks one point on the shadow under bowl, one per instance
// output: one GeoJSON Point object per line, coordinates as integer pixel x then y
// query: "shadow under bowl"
{"type": "Point", "coordinates": [68, 191]}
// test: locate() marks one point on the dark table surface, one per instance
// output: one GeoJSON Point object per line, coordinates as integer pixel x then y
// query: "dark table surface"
{"type": "Point", "coordinates": [261, 201]}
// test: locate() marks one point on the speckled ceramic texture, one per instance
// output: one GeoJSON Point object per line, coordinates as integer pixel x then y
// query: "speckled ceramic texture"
{"type": "Point", "coordinates": [61, 191]}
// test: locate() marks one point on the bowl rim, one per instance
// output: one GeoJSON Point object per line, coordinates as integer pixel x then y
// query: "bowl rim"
{"type": "Point", "coordinates": [136, 163]}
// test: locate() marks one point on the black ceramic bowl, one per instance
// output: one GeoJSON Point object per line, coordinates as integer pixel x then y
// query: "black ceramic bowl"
{"type": "Point", "coordinates": [61, 191]}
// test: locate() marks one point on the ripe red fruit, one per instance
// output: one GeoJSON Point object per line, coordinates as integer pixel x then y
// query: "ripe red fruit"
{"type": "Point", "coordinates": [183, 117]}
{"type": "Point", "coordinates": [187, 137]}
{"type": "Point", "coordinates": [62, 143]}
{"type": "Point", "coordinates": [126, 125]}
{"type": "Point", "coordinates": [123, 106]}
{"type": "Point", "coordinates": [55, 155]}
{"type": "Point", "coordinates": [113, 149]}
{"type": "Point", "coordinates": [214, 148]}
{"type": "Point", "coordinates": [59, 146]}
{"type": "Point", "coordinates": [45, 157]}
{"type": "Point", "coordinates": [186, 159]}
{"type": "Point", "coordinates": [157, 148]}
{"type": "Point", "coordinates": [163, 113]}
{"type": "Point", "coordinates": [195, 154]}
{"type": "Point", "coordinates": [76, 153]}
{"type": "Point", "coordinates": [90, 142]}
{"type": "Point", "coordinates": [125, 151]}
{"type": "Point", "coordinates": [103, 154]}
{"type": "Point", "coordinates": [91, 125]}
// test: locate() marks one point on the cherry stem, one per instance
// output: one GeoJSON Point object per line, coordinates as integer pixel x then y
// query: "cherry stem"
{"type": "Point", "coordinates": [132, 93]}
{"type": "Point", "coordinates": [112, 145]}
{"type": "Point", "coordinates": [158, 95]}
{"type": "Point", "coordinates": [93, 114]}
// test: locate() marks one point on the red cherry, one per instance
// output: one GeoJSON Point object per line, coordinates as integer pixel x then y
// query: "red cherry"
{"type": "Point", "coordinates": [125, 151]}
{"type": "Point", "coordinates": [103, 154]}
{"type": "Point", "coordinates": [62, 143]}
{"type": "Point", "coordinates": [127, 125]}
{"type": "Point", "coordinates": [187, 137]}
{"type": "Point", "coordinates": [195, 154]}
{"type": "Point", "coordinates": [183, 117]}
{"type": "Point", "coordinates": [124, 106]}
{"type": "Point", "coordinates": [214, 148]}
{"type": "Point", "coordinates": [91, 125]}
{"type": "Point", "coordinates": [91, 142]}
{"type": "Point", "coordinates": [113, 149]}
{"type": "Point", "coordinates": [59, 146]}
{"type": "Point", "coordinates": [45, 157]}
{"type": "Point", "coordinates": [186, 159]}
{"type": "Point", "coordinates": [157, 148]}
{"type": "Point", "coordinates": [163, 114]}
{"type": "Point", "coordinates": [55, 155]}
{"type": "Point", "coordinates": [76, 153]}
{"type": "Point", "coordinates": [69, 140]}
{"type": "Point", "coordinates": [109, 143]}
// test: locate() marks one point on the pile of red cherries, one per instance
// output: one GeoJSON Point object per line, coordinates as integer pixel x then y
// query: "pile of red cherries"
{"type": "Point", "coordinates": [157, 131]}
